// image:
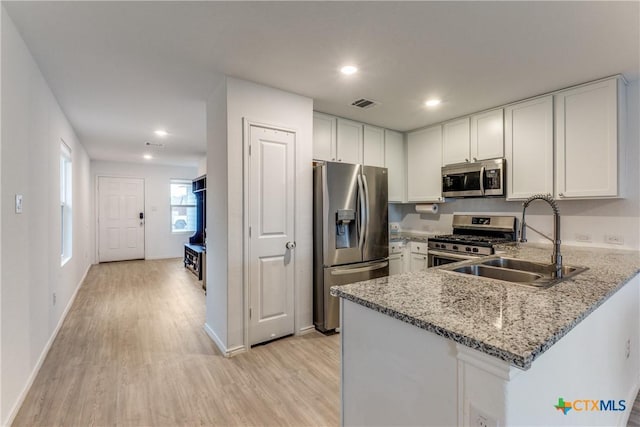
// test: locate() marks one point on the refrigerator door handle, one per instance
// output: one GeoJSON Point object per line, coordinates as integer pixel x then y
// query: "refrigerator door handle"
{"type": "Point", "coordinates": [372, 267]}
{"type": "Point", "coordinates": [366, 204]}
{"type": "Point", "coordinates": [363, 208]}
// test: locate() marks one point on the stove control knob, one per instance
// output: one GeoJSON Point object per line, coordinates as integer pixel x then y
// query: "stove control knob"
{"type": "Point", "coordinates": [468, 249]}
{"type": "Point", "coordinates": [475, 249]}
{"type": "Point", "coordinates": [454, 247]}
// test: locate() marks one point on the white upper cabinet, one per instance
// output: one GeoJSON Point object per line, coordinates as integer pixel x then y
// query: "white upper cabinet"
{"type": "Point", "coordinates": [394, 161]}
{"type": "Point", "coordinates": [487, 135]}
{"type": "Point", "coordinates": [349, 143]}
{"type": "Point", "coordinates": [324, 137]}
{"type": "Point", "coordinates": [424, 165]}
{"type": "Point", "coordinates": [529, 148]}
{"type": "Point", "coordinates": [587, 140]}
{"type": "Point", "coordinates": [455, 144]}
{"type": "Point", "coordinates": [373, 150]}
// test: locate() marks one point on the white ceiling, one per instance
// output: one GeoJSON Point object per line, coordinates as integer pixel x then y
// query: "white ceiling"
{"type": "Point", "coordinates": [122, 69]}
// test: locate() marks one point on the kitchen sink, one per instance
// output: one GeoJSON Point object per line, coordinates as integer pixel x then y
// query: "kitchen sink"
{"type": "Point", "coordinates": [517, 271]}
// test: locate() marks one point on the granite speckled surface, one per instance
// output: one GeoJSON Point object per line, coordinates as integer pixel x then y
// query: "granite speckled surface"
{"type": "Point", "coordinates": [411, 237]}
{"type": "Point", "coordinates": [512, 322]}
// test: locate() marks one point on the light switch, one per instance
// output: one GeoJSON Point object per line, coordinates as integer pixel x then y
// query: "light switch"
{"type": "Point", "coordinates": [18, 203]}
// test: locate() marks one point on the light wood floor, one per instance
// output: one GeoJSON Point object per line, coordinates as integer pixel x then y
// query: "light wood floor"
{"type": "Point", "coordinates": [634, 417]}
{"type": "Point", "coordinates": [132, 352]}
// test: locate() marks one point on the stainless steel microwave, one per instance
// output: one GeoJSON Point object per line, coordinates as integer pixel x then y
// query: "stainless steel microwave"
{"type": "Point", "coordinates": [477, 179]}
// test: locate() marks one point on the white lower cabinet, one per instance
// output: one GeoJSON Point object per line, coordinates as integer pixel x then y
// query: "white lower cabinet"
{"type": "Point", "coordinates": [397, 255]}
{"type": "Point", "coordinates": [396, 264]}
{"type": "Point", "coordinates": [418, 257]}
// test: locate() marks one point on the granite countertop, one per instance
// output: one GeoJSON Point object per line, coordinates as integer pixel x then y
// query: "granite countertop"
{"type": "Point", "coordinates": [413, 237]}
{"type": "Point", "coordinates": [515, 323]}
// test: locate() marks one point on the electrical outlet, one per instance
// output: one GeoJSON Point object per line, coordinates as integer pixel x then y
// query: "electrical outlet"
{"type": "Point", "coordinates": [18, 203]}
{"type": "Point", "coordinates": [583, 237]}
{"type": "Point", "coordinates": [627, 348]}
{"type": "Point", "coordinates": [54, 298]}
{"type": "Point", "coordinates": [394, 226]}
{"type": "Point", "coordinates": [614, 239]}
{"type": "Point", "coordinates": [478, 418]}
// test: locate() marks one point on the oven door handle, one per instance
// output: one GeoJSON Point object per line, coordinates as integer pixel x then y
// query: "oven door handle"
{"type": "Point", "coordinates": [483, 169]}
{"type": "Point", "coordinates": [450, 255]}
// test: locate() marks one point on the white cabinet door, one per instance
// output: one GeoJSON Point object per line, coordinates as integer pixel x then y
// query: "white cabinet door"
{"type": "Point", "coordinates": [529, 148]}
{"type": "Point", "coordinates": [587, 141]}
{"type": "Point", "coordinates": [349, 143]}
{"type": "Point", "coordinates": [373, 150]}
{"type": "Point", "coordinates": [396, 262]}
{"type": "Point", "coordinates": [424, 163]}
{"type": "Point", "coordinates": [487, 135]}
{"type": "Point", "coordinates": [324, 137]}
{"type": "Point", "coordinates": [418, 262]}
{"type": "Point", "coordinates": [455, 142]}
{"type": "Point", "coordinates": [394, 161]}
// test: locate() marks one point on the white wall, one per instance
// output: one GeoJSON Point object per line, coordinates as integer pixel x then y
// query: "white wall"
{"type": "Point", "coordinates": [271, 106]}
{"type": "Point", "coordinates": [217, 214]}
{"type": "Point", "coordinates": [159, 241]}
{"type": "Point", "coordinates": [596, 218]}
{"type": "Point", "coordinates": [202, 166]}
{"type": "Point", "coordinates": [32, 128]}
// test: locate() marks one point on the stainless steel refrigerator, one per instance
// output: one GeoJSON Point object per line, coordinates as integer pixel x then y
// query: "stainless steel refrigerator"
{"type": "Point", "coordinates": [350, 232]}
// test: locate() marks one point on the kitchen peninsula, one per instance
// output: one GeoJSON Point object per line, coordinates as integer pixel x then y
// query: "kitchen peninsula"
{"type": "Point", "coordinates": [443, 348]}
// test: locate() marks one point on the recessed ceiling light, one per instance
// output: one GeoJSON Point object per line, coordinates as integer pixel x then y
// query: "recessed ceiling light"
{"type": "Point", "coordinates": [348, 70]}
{"type": "Point", "coordinates": [161, 132]}
{"type": "Point", "coordinates": [432, 102]}
{"type": "Point", "coordinates": [148, 156]}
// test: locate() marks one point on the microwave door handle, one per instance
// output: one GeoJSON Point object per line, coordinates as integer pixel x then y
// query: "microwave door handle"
{"type": "Point", "coordinates": [482, 172]}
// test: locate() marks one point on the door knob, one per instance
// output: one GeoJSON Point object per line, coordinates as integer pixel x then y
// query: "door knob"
{"type": "Point", "coordinates": [291, 245]}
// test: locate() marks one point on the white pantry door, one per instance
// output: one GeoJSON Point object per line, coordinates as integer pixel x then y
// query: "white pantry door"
{"type": "Point", "coordinates": [121, 230]}
{"type": "Point", "coordinates": [271, 240]}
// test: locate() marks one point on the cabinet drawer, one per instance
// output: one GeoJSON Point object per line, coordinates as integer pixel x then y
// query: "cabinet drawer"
{"type": "Point", "coordinates": [418, 248]}
{"type": "Point", "coordinates": [396, 247]}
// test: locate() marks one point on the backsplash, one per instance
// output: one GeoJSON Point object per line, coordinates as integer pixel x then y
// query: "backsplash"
{"type": "Point", "coordinates": [584, 222]}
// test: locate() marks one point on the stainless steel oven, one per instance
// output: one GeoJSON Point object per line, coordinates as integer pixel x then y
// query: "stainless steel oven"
{"type": "Point", "coordinates": [473, 236]}
{"type": "Point", "coordinates": [436, 258]}
{"type": "Point", "coordinates": [478, 179]}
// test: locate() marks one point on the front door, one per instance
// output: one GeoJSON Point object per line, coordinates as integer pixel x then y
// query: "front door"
{"type": "Point", "coordinates": [120, 219]}
{"type": "Point", "coordinates": [271, 233]}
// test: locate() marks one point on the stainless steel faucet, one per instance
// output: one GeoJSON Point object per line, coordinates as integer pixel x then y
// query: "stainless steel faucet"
{"type": "Point", "coordinates": [556, 257]}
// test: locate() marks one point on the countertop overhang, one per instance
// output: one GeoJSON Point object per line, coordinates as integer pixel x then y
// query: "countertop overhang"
{"type": "Point", "coordinates": [512, 322]}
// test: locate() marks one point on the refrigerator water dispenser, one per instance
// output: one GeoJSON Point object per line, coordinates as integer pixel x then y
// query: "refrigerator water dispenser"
{"type": "Point", "coordinates": [345, 228]}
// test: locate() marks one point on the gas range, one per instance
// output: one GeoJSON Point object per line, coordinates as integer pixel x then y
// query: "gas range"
{"type": "Point", "coordinates": [475, 235]}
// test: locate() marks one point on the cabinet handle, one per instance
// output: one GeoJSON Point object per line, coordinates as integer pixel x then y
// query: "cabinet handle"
{"type": "Point", "coordinates": [561, 194]}
{"type": "Point", "coordinates": [475, 160]}
{"type": "Point", "coordinates": [333, 158]}
{"type": "Point", "coordinates": [339, 160]}
{"type": "Point", "coordinates": [466, 160]}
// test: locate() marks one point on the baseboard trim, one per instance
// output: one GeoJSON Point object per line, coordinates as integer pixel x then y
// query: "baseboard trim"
{"type": "Point", "coordinates": [43, 355]}
{"type": "Point", "coordinates": [306, 330]}
{"type": "Point", "coordinates": [226, 352]}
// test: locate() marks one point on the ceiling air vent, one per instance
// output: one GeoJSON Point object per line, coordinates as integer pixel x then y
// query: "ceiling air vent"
{"type": "Point", "coordinates": [364, 103]}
